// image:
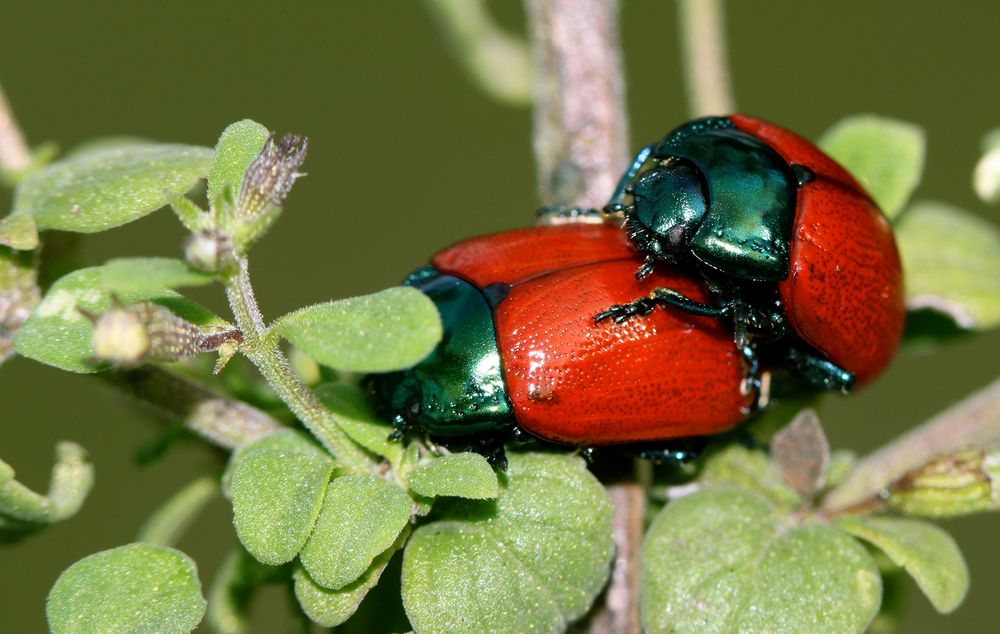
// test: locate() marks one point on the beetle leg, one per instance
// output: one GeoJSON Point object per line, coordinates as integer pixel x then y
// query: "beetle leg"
{"type": "Point", "coordinates": [662, 297]}
{"type": "Point", "coordinates": [751, 363]}
{"type": "Point", "coordinates": [820, 372]}
{"type": "Point", "coordinates": [561, 215]}
{"type": "Point", "coordinates": [670, 452]}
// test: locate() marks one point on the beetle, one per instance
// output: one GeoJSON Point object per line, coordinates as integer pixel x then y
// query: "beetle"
{"type": "Point", "coordinates": [789, 244]}
{"type": "Point", "coordinates": [521, 351]}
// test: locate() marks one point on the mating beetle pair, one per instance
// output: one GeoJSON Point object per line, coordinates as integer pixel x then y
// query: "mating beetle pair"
{"type": "Point", "coordinates": [759, 249]}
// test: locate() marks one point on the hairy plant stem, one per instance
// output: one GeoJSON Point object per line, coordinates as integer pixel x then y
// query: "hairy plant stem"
{"type": "Point", "coordinates": [263, 352]}
{"type": "Point", "coordinates": [14, 152]}
{"type": "Point", "coordinates": [581, 129]}
{"type": "Point", "coordinates": [706, 70]}
{"type": "Point", "coordinates": [223, 421]}
{"type": "Point", "coordinates": [581, 146]}
{"type": "Point", "coordinates": [973, 422]}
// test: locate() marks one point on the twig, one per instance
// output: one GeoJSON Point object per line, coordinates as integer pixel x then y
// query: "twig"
{"type": "Point", "coordinates": [706, 70]}
{"type": "Point", "coordinates": [581, 143]}
{"type": "Point", "coordinates": [974, 422]}
{"type": "Point", "coordinates": [14, 152]}
{"type": "Point", "coordinates": [499, 62]}
{"type": "Point", "coordinates": [223, 421]}
{"type": "Point", "coordinates": [581, 130]}
{"type": "Point", "coordinates": [620, 614]}
{"type": "Point", "coordinates": [264, 353]}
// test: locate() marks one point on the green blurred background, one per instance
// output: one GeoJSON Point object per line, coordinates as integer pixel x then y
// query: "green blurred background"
{"type": "Point", "coordinates": [406, 157]}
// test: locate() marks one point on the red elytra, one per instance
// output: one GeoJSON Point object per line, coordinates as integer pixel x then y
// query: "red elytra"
{"type": "Point", "coordinates": [669, 374]}
{"type": "Point", "coordinates": [844, 291]}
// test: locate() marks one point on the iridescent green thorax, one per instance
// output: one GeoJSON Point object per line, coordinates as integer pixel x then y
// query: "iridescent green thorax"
{"type": "Point", "coordinates": [716, 193]}
{"type": "Point", "coordinates": [458, 389]}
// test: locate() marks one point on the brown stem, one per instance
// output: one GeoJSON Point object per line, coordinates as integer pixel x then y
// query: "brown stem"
{"type": "Point", "coordinates": [620, 613]}
{"type": "Point", "coordinates": [14, 152]}
{"type": "Point", "coordinates": [223, 421]}
{"type": "Point", "coordinates": [581, 130]}
{"type": "Point", "coordinates": [974, 422]}
{"type": "Point", "coordinates": [581, 145]}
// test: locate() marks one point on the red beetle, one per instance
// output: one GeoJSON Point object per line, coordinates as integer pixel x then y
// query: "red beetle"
{"type": "Point", "coordinates": [521, 348]}
{"type": "Point", "coordinates": [790, 246]}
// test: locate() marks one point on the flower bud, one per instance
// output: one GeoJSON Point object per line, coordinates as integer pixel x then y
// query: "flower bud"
{"type": "Point", "coordinates": [142, 332]}
{"type": "Point", "coordinates": [209, 251]}
{"type": "Point", "coordinates": [957, 484]}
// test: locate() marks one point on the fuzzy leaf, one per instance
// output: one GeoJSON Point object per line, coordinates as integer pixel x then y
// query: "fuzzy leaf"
{"type": "Point", "coordinates": [238, 146]}
{"type": "Point", "coordinates": [885, 155]}
{"type": "Point", "coordinates": [724, 560]}
{"type": "Point", "coordinates": [19, 294]}
{"type": "Point", "coordinates": [464, 475]}
{"type": "Point", "coordinates": [107, 188]}
{"type": "Point", "coordinates": [125, 275]}
{"type": "Point", "coordinates": [749, 469]}
{"type": "Point", "coordinates": [925, 551]}
{"type": "Point", "coordinates": [18, 231]}
{"type": "Point", "coordinates": [386, 331]}
{"type": "Point", "coordinates": [952, 264]}
{"type": "Point", "coordinates": [361, 517]}
{"type": "Point", "coordinates": [277, 487]}
{"type": "Point", "coordinates": [539, 554]}
{"type": "Point", "coordinates": [58, 334]}
{"type": "Point", "coordinates": [329, 607]}
{"type": "Point", "coordinates": [356, 418]}
{"type": "Point", "coordinates": [133, 588]}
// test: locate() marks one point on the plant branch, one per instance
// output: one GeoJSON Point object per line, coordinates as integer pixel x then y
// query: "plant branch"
{"type": "Point", "coordinates": [581, 129]}
{"type": "Point", "coordinates": [175, 516]}
{"type": "Point", "coordinates": [225, 422]}
{"type": "Point", "coordinates": [706, 70]}
{"type": "Point", "coordinates": [263, 352]}
{"type": "Point", "coordinates": [498, 62]}
{"type": "Point", "coordinates": [973, 422]}
{"type": "Point", "coordinates": [14, 152]}
{"type": "Point", "coordinates": [581, 145]}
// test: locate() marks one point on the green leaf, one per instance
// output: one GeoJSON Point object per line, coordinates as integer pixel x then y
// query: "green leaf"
{"type": "Point", "coordinates": [464, 475]}
{"type": "Point", "coordinates": [329, 607]}
{"type": "Point", "coordinates": [133, 588]}
{"type": "Point", "coordinates": [238, 146]}
{"type": "Point", "coordinates": [539, 554]}
{"type": "Point", "coordinates": [885, 155]}
{"type": "Point", "coordinates": [952, 264]}
{"type": "Point", "coordinates": [130, 275]}
{"type": "Point", "coordinates": [356, 418]}
{"type": "Point", "coordinates": [107, 188]}
{"type": "Point", "coordinates": [277, 489]}
{"type": "Point", "coordinates": [925, 551]}
{"type": "Point", "coordinates": [724, 560]}
{"type": "Point", "coordinates": [361, 517]}
{"type": "Point", "coordinates": [19, 294]}
{"type": "Point", "coordinates": [59, 334]}
{"type": "Point", "coordinates": [986, 177]}
{"type": "Point", "coordinates": [102, 144]}
{"type": "Point", "coordinates": [382, 332]}
{"type": "Point", "coordinates": [18, 231]}
{"type": "Point", "coordinates": [749, 469]}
